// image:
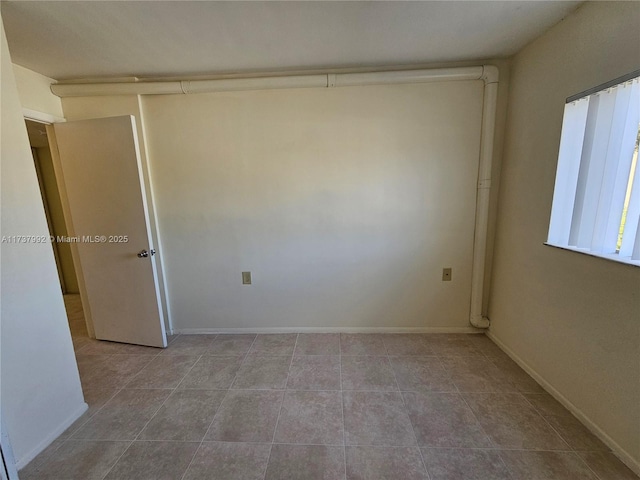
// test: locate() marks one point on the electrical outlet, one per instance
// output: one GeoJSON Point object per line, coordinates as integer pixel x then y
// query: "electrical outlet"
{"type": "Point", "coordinates": [246, 278]}
{"type": "Point", "coordinates": [446, 274]}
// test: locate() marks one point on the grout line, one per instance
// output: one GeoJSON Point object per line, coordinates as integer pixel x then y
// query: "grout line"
{"type": "Point", "coordinates": [344, 424]}
{"type": "Point", "coordinates": [295, 346]}
{"type": "Point", "coordinates": [476, 418]}
{"type": "Point", "coordinates": [214, 415]}
{"type": "Point", "coordinates": [595, 474]}
{"type": "Point", "coordinates": [192, 458]}
{"type": "Point", "coordinates": [244, 359]}
{"type": "Point", "coordinates": [187, 374]}
{"type": "Point", "coordinates": [228, 390]}
{"type": "Point", "coordinates": [575, 452]}
{"type": "Point", "coordinates": [426, 447]}
{"type": "Point", "coordinates": [217, 409]}
{"type": "Point", "coordinates": [460, 394]}
{"type": "Point", "coordinates": [246, 354]}
{"type": "Point", "coordinates": [485, 449]}
{"type": "Point", "coordinates": [422, 392]}
{"type": "Point", "coordinates": [406, 411]}
{"type": "Point", "coordinates": [511, 474]}
{"type": "Point", "coordinates": [173, 390]}
{"type": "Point", "coordinates": [36, 465]}
{"type": "Point", "coordinates": [539, 413]}
{"type": "Point", "coordinates": [117, 460]}
{"type": "Point", "coordinates": [75, 430]}
{"type": "Point", "coordinates": [557, 432]}
{"type": "Point", "coordinates": [284, 393]}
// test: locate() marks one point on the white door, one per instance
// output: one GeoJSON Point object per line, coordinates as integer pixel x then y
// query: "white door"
{"type": "Point", "coordinates": [101, 185]}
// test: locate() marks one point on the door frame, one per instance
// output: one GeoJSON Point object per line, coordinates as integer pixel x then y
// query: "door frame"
{"type": "Point", "coordinates": [48, 120]}
{"type": "Point", "coordinates": [47, 213]}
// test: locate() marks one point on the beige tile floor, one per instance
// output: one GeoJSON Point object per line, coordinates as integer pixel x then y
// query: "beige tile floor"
{"type": "Point", "coordinates": [316, 406]}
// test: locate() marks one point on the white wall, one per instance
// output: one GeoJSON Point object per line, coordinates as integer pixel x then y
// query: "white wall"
{"type": "Point", "coordinates": [345, 204]}
{"type": "Point", "coordinates": [188, 285]}
{"type": "Point", "coordinates": [572, 319]}
{"type": "Point", "coordinates": [40, 390]}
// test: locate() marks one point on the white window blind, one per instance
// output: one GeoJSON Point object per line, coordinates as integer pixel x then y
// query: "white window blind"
{"type": "Point", "coordinates": [596, 202]}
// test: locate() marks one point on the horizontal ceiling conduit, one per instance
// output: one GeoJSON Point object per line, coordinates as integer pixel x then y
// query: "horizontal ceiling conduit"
{"type": "Point", "coordinates": [487, 73]}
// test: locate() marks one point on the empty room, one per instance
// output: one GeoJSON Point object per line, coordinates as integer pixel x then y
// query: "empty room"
{"type": "Point", "coordinates": [334, 240]}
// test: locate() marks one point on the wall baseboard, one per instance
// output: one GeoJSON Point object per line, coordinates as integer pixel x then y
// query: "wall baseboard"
{"type": "Point", "coordinates": [48, 440]}
{"type": "Point", "coordinates": [195, 331]}
{"type": "Point", "coordinates": [617, 450]}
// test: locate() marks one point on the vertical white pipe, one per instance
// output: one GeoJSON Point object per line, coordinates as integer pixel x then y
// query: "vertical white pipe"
{"type": "Point", "coordinates": [482, 200]}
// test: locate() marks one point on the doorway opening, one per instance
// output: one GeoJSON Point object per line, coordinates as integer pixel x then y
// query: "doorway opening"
{"type": "Point", "coordinates": [43, 162]}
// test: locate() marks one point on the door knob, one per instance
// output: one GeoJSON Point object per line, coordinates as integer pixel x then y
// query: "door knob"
{"type": "Point", "coordinates": [143, 254]}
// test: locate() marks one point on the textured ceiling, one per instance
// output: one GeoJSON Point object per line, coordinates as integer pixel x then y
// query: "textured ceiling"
{"type": "Point", "coordinates": [79, 39]}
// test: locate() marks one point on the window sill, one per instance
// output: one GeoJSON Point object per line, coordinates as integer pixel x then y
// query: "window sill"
{"type": "Point", "coordinates": [606, 256]}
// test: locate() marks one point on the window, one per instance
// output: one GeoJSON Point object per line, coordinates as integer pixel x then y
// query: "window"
{"type": "Point", "coordinates": [596, 201]}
